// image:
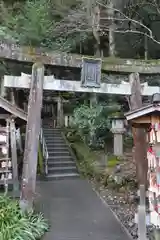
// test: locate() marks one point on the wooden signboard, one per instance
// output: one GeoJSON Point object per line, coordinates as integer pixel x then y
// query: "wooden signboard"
{"type": "Point", "coordinates": [91, 72]}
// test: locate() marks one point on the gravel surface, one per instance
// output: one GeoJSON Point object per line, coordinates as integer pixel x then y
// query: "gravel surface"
{"type": "Point", "coordinates": [124, 206]}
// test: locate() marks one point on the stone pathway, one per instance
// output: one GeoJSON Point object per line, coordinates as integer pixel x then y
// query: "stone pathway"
{"type": "Point", "coordinates": [75, 212]}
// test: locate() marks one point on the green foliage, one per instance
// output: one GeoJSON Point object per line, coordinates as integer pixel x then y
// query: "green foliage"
{"type": "Point", "coordinates": [64, 26]}
{"type": "Point", "coordinates": [16, 225]}
{"type": "Point", "coordinates": [93, 124]}
{"type": "Point", "coordinates": [31, 25]}
{"type": "Point", "coordinates": [85, 159]}
{"type": "Point", "coordinates": [39, 23]}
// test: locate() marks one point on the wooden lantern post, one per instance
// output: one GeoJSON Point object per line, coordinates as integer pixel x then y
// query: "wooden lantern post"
{"type": "Point", "coordinates": [148, 118]}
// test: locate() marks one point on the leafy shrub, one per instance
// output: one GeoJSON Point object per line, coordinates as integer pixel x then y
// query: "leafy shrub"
{"type": "Point", "coordinates": [16, 225]}
{"type": "Point", "coordinates": [84, 160]}
{"type": "Point", "coordinates": [94, 123]}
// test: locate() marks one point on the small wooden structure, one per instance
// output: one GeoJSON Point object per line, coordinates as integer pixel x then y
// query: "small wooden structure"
{"type": "Point", "coordinates": [8, 151]}
{"type": "Point", "coordinates": [148, 118]}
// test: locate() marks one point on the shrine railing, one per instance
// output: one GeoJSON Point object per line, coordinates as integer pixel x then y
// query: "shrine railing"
{"type": "Point", "coordinates": [44, 151]}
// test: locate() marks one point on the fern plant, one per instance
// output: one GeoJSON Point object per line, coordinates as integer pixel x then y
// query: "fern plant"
{"type": "Point", "coordinates": [17, 225]}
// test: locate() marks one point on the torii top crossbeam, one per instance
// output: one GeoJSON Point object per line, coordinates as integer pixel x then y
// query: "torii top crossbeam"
{"type": "Point", "coordinates": [29, 54]}
{"type": "Point", "coordinates": [52, 84]}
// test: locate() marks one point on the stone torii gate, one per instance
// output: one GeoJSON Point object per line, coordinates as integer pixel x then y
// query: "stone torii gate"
{"type": "Point", "coordinates": [12, 51]}
{"type": "Point", "coordinates": [88, 66]}
{"type": "Point", "coordinates": [52, 84]}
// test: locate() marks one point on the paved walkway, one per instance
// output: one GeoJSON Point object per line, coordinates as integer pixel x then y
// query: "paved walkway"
{"type": "Point", "coordinates": [76, 212]}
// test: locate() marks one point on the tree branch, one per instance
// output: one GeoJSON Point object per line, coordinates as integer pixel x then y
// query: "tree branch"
{"type": "Point", "coordinates": [77, 21]}
{"type": "Point", "coordinates": [126, 17]}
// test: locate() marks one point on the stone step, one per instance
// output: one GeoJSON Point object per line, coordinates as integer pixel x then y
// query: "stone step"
{"type": "Point", "coordinates": [59, 149]}
{"type": "Point", "coordinates": [54, 138]}
{"type": "Point", "coordinates": [55, 149]}
{"type": "Point", "coordinates": [57, 170]}
{"type": "Point", "coordinates": [55, 135]}
{"type": "Point", "coordinates": [64, 146]}
{"type": "Point", "coordinates": [59, 158]}
{"type": "Point", "coordinates": [61, 164]}
{"type": "Point", "coordinates": [62, 176]}
{"type": "Point", "coordinates": [49, 127]}
{"type": "Point", "coordinates": [60, 139]}
{"type": "Point", "coordinates": [52, 134]}
{"type": "Point", "coordinates": [51, 130]}
{"type": "Point", "coordinates": [50, 141]}
{"type": "Point", "coordinates": [60, 153]}
{"type": "Point", "coordinates": [50, 144]}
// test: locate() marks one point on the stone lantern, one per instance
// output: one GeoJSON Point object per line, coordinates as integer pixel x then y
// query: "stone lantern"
{"type": "Point", "coordinates": [118, 131]}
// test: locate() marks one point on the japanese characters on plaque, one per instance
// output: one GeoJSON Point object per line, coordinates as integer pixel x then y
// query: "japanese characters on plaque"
{"type": "Point", "coordinates": [91, 72]}
{"type": "Point", "coordinates": [153, 156]}
{"type": "Point", "coordinates": [5, 162]}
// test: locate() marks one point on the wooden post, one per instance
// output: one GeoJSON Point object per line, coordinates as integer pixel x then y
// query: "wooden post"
{"type": "Point", "coordinates": [142, 233]}
{"type": "Point", "coordinates": [14, 158]}
{"type": "Point", "coordinates": [2, 88]}
{"type": "Point", "coordinates": [18, 139]}
{"type": "Point", "coordinates": [32, 138]}
{"type": "Point", "coordinates": [7, 157]}
{"type": "Point", "coordinates": [138, 134]}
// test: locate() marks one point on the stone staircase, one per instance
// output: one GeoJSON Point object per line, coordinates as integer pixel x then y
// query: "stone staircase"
{"type": "Point", "coordinates": [60, 162]}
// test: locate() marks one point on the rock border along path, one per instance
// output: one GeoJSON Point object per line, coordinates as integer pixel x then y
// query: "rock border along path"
{"type": "Point", "coordinates": [76, 212]}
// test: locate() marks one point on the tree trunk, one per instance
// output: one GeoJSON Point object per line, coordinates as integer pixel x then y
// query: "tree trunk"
{"type": "Point", "coordinates": [145, 47]}
{"type": "Point", "coordinates": [32, 138]}
{"type": "Point", "coordinates": [95, 27]}
{"type": "Point", "coordinates": [138, 134]}
{"type": "Point", "coordinates": [111, 33]}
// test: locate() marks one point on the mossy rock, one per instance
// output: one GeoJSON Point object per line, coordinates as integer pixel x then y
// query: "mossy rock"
{"type": "Point", "coordinates": [72, 136]}
{"type": "Point", "coordinates": [112, 161]}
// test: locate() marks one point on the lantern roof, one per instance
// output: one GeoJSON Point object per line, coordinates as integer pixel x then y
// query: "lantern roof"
{"type": "Point", "coordinates": [116, 117]}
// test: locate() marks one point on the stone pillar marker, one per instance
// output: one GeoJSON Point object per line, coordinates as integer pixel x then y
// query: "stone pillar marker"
{"type": "Point", "coordinates": [60, 117]}
{"type": "Point", "coordinates": [93, 99]}
{"type": "Point", "coordinates": [66, 121]}
{"type": "Point", "coordinates": [118, 131]}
